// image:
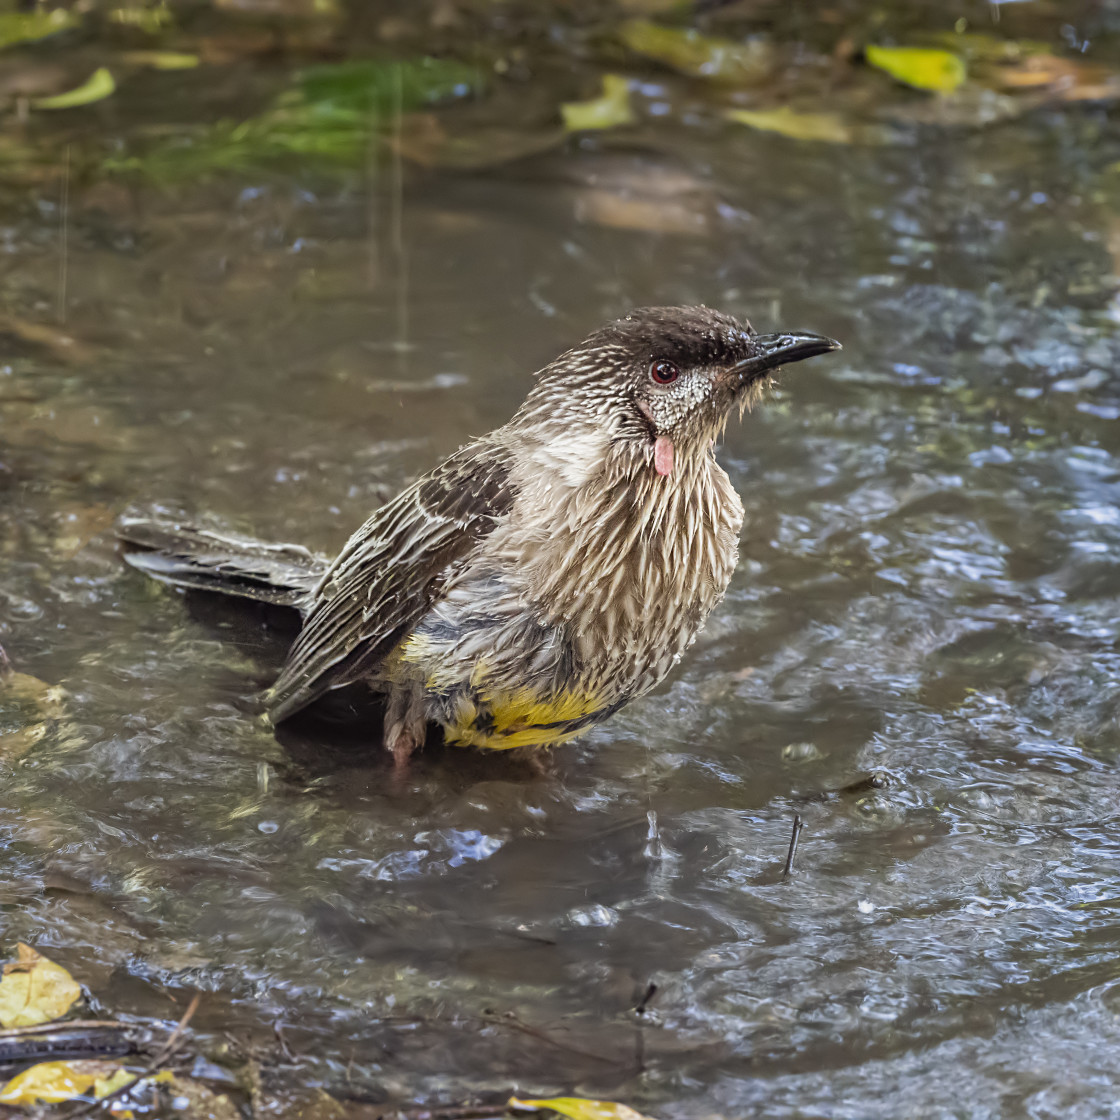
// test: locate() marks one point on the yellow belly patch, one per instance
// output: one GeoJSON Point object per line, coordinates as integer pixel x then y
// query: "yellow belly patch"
{"type": "Point", "coordinates": [506, 720]}
{"type": "Point", "coordinates": [493, 720]}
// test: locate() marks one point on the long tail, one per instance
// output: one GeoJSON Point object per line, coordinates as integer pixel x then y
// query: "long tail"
{"type": "Point", "coordinates": [183, 554]}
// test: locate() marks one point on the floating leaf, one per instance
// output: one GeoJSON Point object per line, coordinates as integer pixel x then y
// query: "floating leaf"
{"type": "Point", "coordinates": [97, 87]}
{"type": "Point", "coordinates": [34, 990]}
{"type": "Point", "coordinates": [24, 27]}
{"type": "Point", "coordinates": [151, 21]}
{"type": "Point", "coordinates": [940, 71]}
{"type": "Point", "coordinates": [162, 60]}
{"type": "Point", "coordinates": [55, 1082]}
{"type": "Point", "coordinates": [577, 1108]}
{"type": "Point", "coordinates": [608, 111]}
{"type": "Point", "coordinates": [698, 55]}
{"type": "Point", "coordinates": [829, 127]}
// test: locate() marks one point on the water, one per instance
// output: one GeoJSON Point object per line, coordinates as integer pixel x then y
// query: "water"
{"type": "Point", "coordinates": [927, 592]}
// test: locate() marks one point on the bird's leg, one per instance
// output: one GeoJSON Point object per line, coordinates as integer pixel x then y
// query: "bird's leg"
{"type": "Point", "coordinates": [540, 760]}
{"type": "Point", "coordinates": [405, 724]}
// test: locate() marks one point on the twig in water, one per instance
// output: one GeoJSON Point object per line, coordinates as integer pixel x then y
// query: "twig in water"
{"type": "Point", "coordinates": [66, 1024]}
{"type": "Point", "coordinates": [794, 837]}
{"type": "Point", "coordinates": [452, 1112]}
{"type": "Point", "coordinates": [72, 1037]}
{"type": "Point", "coordinates": [172, 1044]}
{"type": "Point", "coordinates": [509, 1019]}
{"type": "Point", "coordinates": [285, 1049]}
{"type": "Point", "coordinates": [643, 1003]}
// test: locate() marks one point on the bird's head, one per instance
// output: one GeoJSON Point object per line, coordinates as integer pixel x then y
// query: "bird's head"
{"type": "Point", "coordinates": [665, 377]}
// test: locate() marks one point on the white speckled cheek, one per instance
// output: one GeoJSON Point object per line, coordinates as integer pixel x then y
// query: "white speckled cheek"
{"type": "Point", "coordinates": [670, 407]}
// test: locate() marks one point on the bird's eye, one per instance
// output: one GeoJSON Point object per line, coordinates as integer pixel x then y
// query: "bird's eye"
{"type": "Point", "coordinates": [663, 372]}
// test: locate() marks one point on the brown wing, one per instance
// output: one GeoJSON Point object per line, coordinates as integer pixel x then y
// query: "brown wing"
{"type": "Point", "coordinates": [390, 572]}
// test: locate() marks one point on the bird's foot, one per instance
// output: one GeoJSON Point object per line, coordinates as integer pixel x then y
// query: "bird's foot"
{"type": "Point", "coordinates": [400, 742]}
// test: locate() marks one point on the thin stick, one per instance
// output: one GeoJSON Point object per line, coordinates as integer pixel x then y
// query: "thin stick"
{"type": "Point", "coordinates": [372, 153]}
{"type": "Point", "coordinates": [72, 1037]}
{"type": "Point", "coordinates": [454, 1112]}
{"type": "Point", "coordinates": [68, 1025]}
{"type": "Point", "coordinates": [512, 1021]}
{"type": "Point", "coordinates": [794, 837]}
{"type": "Point", "coordinates": [172, 1044]}
{"type": "Point", "coordinates": [64, 220]}
{"type": "Point", "coordinates": [396, 217]}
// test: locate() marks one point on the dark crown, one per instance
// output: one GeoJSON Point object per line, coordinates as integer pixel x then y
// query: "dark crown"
{"type": "Point", "coordinates": [688, 336]}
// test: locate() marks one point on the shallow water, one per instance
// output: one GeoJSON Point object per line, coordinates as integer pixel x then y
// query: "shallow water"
{"type": "Point", "coordinates": [927, 592]}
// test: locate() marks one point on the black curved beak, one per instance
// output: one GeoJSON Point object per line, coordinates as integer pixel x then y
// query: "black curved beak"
{"type": "Point", "coordinates": [779, 349]}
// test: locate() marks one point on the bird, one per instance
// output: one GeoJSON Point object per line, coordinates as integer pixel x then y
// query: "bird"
{"type": "Point", "coordinates": [542, 576]}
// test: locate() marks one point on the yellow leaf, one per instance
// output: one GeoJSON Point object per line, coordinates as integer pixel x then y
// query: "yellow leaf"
{"type": "Point", "coordinates": [24, 27]}
{"type": "Point", "coordinates": [34, 990]}
{"type": "Point", "coordinates": [577, 1108]}
{"type": "Point", "coordinates": [699, 56]}
{"type": "Point", "coordinates": [940, 71]}
{"type": "Point", "coordinates": [829, 127]}
{"type": "Point", "coordinates": [162, 60]}
{"type": "Point", "coordinates": [53, 1082]}
{"type": "Point", "coordinates": [608, 111]}
{"type": "Point", "coordinates": [98, 86]}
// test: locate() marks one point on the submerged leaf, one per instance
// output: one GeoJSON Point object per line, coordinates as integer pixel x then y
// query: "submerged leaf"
{"type": "Point", "coordinates": [608, 111]}
{"type": "Point", "coordinates": [935, 70]}
{"type": "Point", "coordinates": [422, 139]}
{"type": "Point", "coordinates": [28, 706]}
{"type": "Point", "coordinates": [59, 344]}
{"type": "Point", "coordinates": [1064, 78]}
{"type": "Point", "coordinates": [55, 1082]}
{"type": "Point", "coordinates": [386, 87]}
{"type": "Point", "coordinates": [203, 1103]}
{"type": "Point", "coordinates": [698, 55]}
{"type": "Point", "coordinates": [578, 1108]}
{"type": "Point", "coordinates": [151, 21]}
{"type": "Point", "coordinates": [980, 47]}
{"type": "Point", "coordinates": [162, 60]}
{"type": "Point", "coordinates": [25, 27]}
{"type": "Point", "coordinates": [829, 127]}
{"type": "Point", "coordinates": [647, 193]}
{"type": "Point", "coordinates": [97, 87]}
{"type": "Point", "coordinates": [330, 118]}
{"type": "Point", "coordinates": [284, 9]}
{"type": "Point", "coordinates": [35, 990]}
